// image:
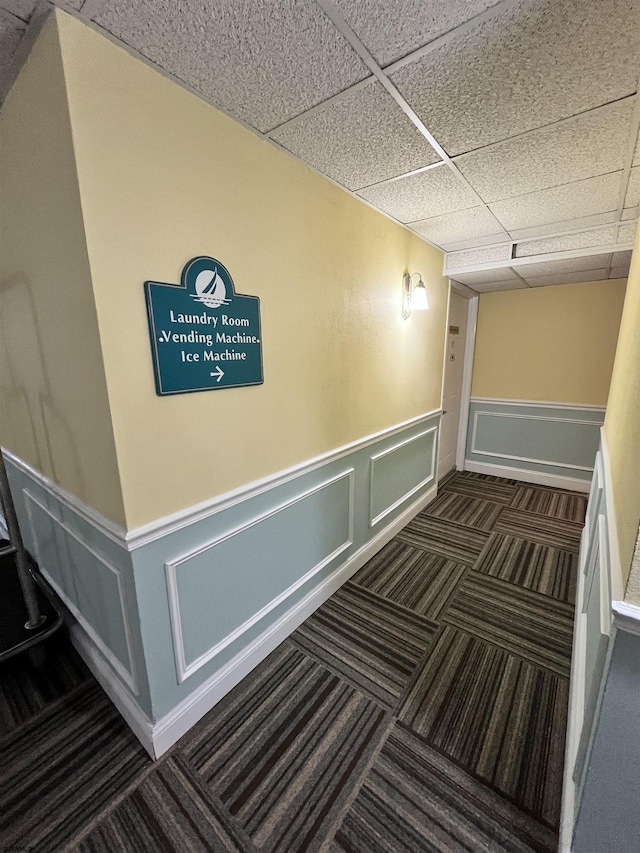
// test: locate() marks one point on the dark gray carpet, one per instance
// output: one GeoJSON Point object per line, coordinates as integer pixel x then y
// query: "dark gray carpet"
{"type": "Point", "coordinates": [421, 708]}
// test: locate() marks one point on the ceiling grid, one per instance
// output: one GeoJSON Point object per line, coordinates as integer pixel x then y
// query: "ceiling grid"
{"type": "Point", "coordinates": [484, 126]}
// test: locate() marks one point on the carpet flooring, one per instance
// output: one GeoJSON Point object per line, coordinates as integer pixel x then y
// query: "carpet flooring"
{"type": "Point", "coordinates": [421, 708]}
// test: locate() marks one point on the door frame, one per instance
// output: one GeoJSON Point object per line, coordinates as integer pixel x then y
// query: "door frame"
{"type": "Point", "coordinates": [467, 371]}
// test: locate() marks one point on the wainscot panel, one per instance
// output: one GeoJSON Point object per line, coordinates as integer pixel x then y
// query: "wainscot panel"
{"type": "Point", "coordinates": [548, 443]}
{"type": "Point", "coordinates": [84, 559]}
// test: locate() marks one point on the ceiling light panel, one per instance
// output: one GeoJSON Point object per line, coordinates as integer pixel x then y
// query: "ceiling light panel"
{"type": "Point", "coordinates": [421, 196]}
{"type": "Point", "coordinates": [583, 147]}
{"type": "Point", "coordinates": [564, 265]}
{"type": "Point", "coordinates": [533, 63]}
{"type": "Point", "coordinates": [568, 278]}
{"type": "Point", "coordinates": [473, 222]}
{"type": "Point", "coordinates": [262, 61]}
{"type": "Point", "coordinates": [390, 33]}
{"type": "Point", "coordinates": [344, 143]}
{"type": "Point", "coordinates": [581, 198]}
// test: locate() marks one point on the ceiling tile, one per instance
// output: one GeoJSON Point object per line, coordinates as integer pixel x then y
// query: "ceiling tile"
{"type": "Point", "coordinates": [486, 276]}
{"type": "Point", "coordinates": [627, 233]}
{"type": "Point", "coordinates": [492, 287]}
{"type": "Point", "coordinates": [581, 198]}
{"type": "Point", "coordinates": [454, 245]}
{"type": "Point", "coordinates": [535, 62]}
{"type": "Point", "coordinates": [629, 213]}
{"type": "Point", "coordinates": [10, 36]}
{"type": "Point", "coordinates": [568, 278]}
{"type": "Point", "coordinates": [619, 272]}
{"type": "Point", "coordinates": [344, 143]}
{"type": "Point", "coordinates": [472, 222]}
{"type": "Point", "coordinates": [563, 226]}
{"type": "Point", "coordinates": [389, 35]}
{"type": "Point", "coordinates": [485, 255]}
{"type": "Point", "coordinates": [632, 197]}
{"type": "Point", "coordinates": [564, 265]}
{"type": "Point", "coordinates": [565, 242]}
{"type": "Point", "coordinates": [21, 8]}
{"type": "Point", "coordinates": [421, 196]}
{"type": "Point", "coordinates": [263, 61]}
{"type": "Point", "coordinates": [621, 259]}
{"type": "Point", "coordinates": [585, 146]}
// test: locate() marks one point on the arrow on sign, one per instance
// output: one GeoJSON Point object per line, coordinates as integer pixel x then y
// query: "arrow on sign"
{"type": "Point", "coordinates": [218, 372]}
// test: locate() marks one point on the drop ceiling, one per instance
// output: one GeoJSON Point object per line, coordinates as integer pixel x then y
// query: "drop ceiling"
{"type": "Point", "coordinates": [505, 132]}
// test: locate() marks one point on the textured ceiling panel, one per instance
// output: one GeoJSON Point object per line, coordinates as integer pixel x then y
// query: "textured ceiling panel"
{"type": "Point", "coordinates": [343, 142]}
{"type": "Point", "coordinates": [390, 35]}
{"type": "Point", "coordinates": [10, 36]}
{"type": "Point", "coordinates": [472, 222]}
{"type": "Point", "coordinates": [632, 197]}
{"type": "Point", "coordinates": [585, 240]}
{"type": "Point", "coordinates": [568, 278]}
{"type": "Point", "coordinates": [491, 287]}
{"type": "Point", "coordinates": [565, 265]}
{"type": "Point", "coordinates": [582, 198]}
{"type": "Point", "coordinates": [621, 259]}
{"type": "Point", "coordinates": [21, 8]}
{"type": "Point", "coordinates": [627, 233]}
{"type": "Point", "coordinates": [470, 257]}
{"type": "Point", "coordinates": [262, 60]}
{"type": "Point", "coordinates": [534, 63]}
{"type": "Point", "coordinates": [421, 196]}
{"type": "Point", "coordinates": [563, 226]}
{"type": "Point", "coordinates": [485, 276]}
{"type": "Point", "coordinates": [582, 147]}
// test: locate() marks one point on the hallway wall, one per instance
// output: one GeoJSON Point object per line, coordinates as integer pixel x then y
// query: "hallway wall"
{"type": "Point", "coordinates": [54, 408]}
{"type": "Point", "coordinates": [541, 373]}
{"type": "Point", "coordinates": [622, 427]}
{"type": "Point", "coordinates": [165, 177]}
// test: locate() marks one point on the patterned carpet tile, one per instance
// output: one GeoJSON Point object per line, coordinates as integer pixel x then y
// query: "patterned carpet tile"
{"type": "Point", "coordinates": [26, 689]}
{"type": "Point", "coordinates": [540, 528]}
{"type": "Point", "coordinates": [537, 628]}
{"type": "Point", "coordinates": [498, 716]}
{"type": "Point", "coordinates": [169, 811]}
{"type": "Point", "coordinates": [286, 751]}
{"type": "Point", "coordinates": [569, 506]}
{"type": "Point", "coordinates": [470, 512]}
{"type": "Point", "coordinates": [415, 800]}
{"type": "Point", "coordinates": [448, 540]}
{"type": "Point", "coordinates": [62, 768]}
{"type": "Point", "coordinates": [372, 643]}
{"type": "Point", "coordinates": [496, 489]}
{"type": "Point", "coordinates": [541, 568]}
{"type": "Point", "coordinates": [411, 577]}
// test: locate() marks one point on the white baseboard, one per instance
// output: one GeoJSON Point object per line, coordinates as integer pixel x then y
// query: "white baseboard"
{"type": "Point", "coordinates": [185, 715]}
{"type": "Point", "coordinates": [557, 481]}
{"type": "Point", "coordinates": [134, 716]}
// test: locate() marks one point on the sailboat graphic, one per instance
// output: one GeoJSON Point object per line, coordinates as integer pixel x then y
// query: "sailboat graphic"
{"type": "Point", "coordinates": [210, 289]}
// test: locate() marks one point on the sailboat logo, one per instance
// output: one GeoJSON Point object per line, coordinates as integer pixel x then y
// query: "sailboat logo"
{"type": "Point", "coordinates": [210, 289]}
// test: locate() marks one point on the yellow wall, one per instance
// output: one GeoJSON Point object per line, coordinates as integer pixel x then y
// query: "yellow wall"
{"type": "Point", "coordinates": [548, 343]}
{"type": "Point", "coordinates": [54, 410]}
{"type": "Point", "coordinates": [164, 177]}
{"type": "Point", "coordinates": [622, 425]}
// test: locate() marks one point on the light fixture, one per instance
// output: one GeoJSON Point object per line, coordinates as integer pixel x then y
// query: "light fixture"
{"type": "Point", "coordinates": [413, 299]}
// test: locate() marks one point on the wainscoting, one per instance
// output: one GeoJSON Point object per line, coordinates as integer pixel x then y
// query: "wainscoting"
{"type": "Point", "coordinates": [172, 616]}
{"type": "Point", "coordinates": [553, 444]}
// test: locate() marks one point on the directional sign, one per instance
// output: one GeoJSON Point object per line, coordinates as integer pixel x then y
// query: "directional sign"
{"type": "Point", "coordinates": [204, 335]}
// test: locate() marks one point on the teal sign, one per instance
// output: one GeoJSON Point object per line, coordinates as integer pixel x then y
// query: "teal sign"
{"type": "Point", "coordinates": [204, 335]}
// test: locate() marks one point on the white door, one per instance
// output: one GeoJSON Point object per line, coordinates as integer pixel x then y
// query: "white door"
{"type": "Point", "coordinates": [453, 369]}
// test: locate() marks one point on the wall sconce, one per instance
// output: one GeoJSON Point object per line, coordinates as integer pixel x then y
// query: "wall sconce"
{"type": "Point", "coordinates": [413, 299]}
